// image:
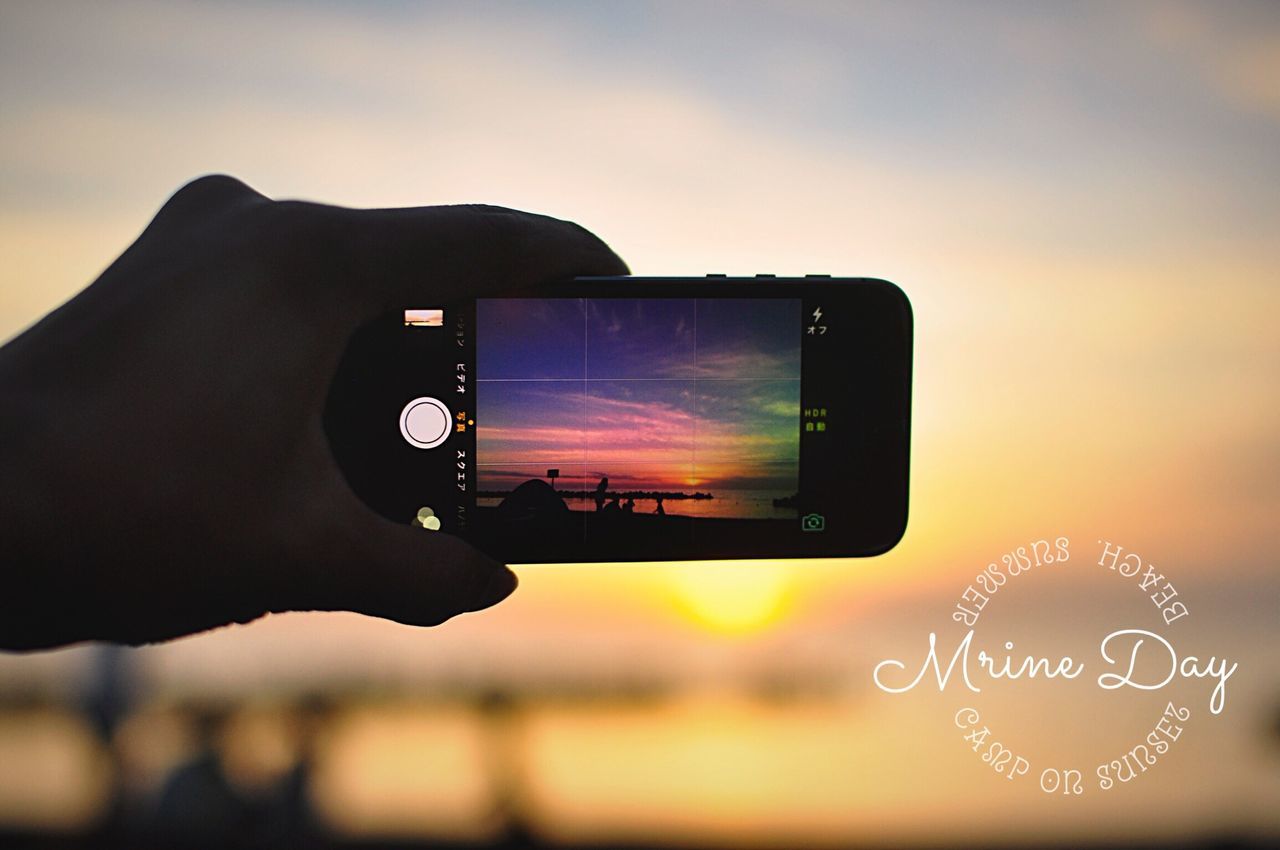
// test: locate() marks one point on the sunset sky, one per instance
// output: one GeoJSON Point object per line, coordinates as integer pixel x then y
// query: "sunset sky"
{"type": "Point", "coordinates": [662, 394]}
{"type": "Point", "coordinates": [1080, 201]}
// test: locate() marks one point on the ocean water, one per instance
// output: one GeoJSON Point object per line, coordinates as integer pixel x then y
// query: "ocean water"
{"type": "Point", "coordinates": [736, 504]}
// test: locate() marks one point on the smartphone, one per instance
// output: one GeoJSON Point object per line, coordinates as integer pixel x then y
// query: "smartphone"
{"type": "Point", "coordinates": [636, 419]}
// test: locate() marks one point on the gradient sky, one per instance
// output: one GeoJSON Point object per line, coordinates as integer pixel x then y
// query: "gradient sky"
{"type": "Point", "coordinates": [662, 394]}
{"type": "Point", "coordinates": [1079, 199]}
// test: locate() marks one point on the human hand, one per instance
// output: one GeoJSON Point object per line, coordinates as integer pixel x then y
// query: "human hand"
{"type": "Point", "coordinates": [164, 467]}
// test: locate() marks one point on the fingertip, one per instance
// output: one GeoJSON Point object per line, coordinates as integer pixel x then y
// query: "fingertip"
{"type": "Point", "coordinates": [496, 249]}
{"type": "Point", "coordinates": [602, 260]}
{"type": "Point", "coordinates": [501, 583]}
{"type": "Point", "coordinates": [393, 256]}
{"type": "Point", "coordinates": [595, 256]}
{"type": "Point", "coordinates": [481, 582]}
{"type": "Point", "coordinates": [540, 247]}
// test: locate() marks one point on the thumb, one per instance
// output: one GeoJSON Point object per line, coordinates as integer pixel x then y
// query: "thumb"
{"type": "Point", "coordinates": [371, 565]}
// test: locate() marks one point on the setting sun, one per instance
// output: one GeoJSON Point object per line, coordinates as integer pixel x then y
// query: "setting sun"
{"type": "Point", "coordinates": [733, 597]}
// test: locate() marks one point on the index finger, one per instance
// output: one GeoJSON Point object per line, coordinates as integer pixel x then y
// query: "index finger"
{"type": "Point", "coordinates": [392, 257]}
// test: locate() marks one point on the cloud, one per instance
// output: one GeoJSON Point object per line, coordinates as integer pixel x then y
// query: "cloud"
{"type": "Point", "coordinates": [650, 423]}
{"type": "Point", "coordinates": [1234, 49]}
{"type": "Point", "coordinates": [748, 363]}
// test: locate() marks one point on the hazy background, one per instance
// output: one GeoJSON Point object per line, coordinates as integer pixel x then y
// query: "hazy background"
{"type": "Point", "coordinates": [1080, 200]}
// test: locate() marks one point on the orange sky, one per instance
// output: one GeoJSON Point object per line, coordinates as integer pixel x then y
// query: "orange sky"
{"type": "Point", "coordinates": [1080, 206]}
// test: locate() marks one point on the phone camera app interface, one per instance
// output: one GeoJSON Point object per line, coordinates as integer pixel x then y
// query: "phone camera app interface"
{"type": "Point", "coordinates": [612, 418]}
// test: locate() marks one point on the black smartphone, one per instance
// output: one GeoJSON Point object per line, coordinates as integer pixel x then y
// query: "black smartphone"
{"type": "Point", "coordinates": [636, 419]}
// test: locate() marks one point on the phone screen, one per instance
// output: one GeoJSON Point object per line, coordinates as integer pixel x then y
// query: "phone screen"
{"type": "Point", "coordinates": [659, 419]}
{"type": "Point", "coordinates": [641, 411]}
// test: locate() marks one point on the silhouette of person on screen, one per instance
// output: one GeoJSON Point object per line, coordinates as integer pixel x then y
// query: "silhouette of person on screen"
{"type": "Point", "coordinates": [602, 490]}
{"type": "Point", "coordinates": [170, 416]}
{"type": "Point", "coordinates": [660, 510]}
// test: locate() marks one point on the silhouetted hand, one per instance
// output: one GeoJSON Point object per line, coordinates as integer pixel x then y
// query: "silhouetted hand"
{"type": "Point", "coordinates": [163, 467]}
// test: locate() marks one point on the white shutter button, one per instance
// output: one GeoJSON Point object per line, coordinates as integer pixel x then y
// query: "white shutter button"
{"type": "Point", "coordinates": [424, 422]}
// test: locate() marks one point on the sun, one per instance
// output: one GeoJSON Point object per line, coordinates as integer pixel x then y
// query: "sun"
{"type": "Point", "coordinates": [737, 598]}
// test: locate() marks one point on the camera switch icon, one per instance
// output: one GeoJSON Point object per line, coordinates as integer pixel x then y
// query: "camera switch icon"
{"type": "Point", "coordinates": [813, 522]}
